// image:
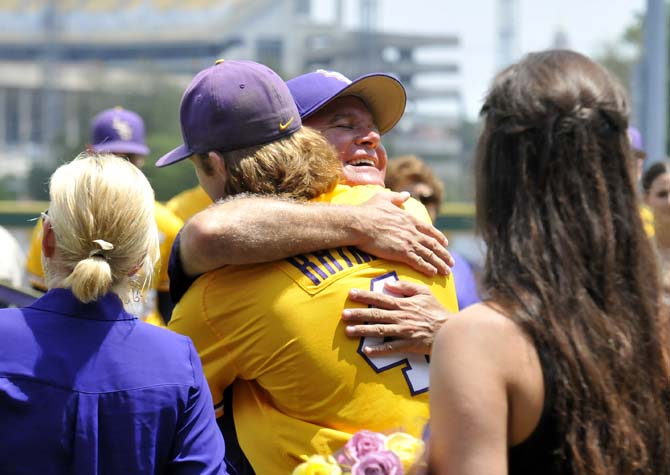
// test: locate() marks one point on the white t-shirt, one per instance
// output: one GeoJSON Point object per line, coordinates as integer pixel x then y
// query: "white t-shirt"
{"type": "Point", "coordinates": [11, 259]}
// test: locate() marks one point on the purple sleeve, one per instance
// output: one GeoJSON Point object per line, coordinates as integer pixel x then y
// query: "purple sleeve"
{"type": "Point", "coordinates": [179, 280]}
{"type": "Point", "coordinates": [465, 282]}
{"type": "Point", "coordinates": [198, 448]}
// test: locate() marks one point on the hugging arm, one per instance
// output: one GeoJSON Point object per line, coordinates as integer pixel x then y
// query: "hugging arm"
{"type": "Point", "coordinates": [248, 230]}
{"type": "Point", "coordinates": [410, 318]}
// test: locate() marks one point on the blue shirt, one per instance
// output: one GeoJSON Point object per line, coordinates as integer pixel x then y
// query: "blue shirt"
{"type": "Point", "coordinates": [465, 282]}
{"type": "Point", "coordinates": [90, 389]}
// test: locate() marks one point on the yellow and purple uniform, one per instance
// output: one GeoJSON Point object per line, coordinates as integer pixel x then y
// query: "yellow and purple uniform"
{"type": "Point", "coordinates": [647, 221]}
{"type": "Point", "coordinates": [168, 228]}
{"type": "Point", "coordinates": [275, 331]}
{"type": "Point", "coordinates": [34, 259]}
{"type": "Point", "coordinates": [189, 202]}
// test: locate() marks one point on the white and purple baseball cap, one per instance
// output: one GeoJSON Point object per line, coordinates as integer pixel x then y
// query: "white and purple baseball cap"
{"type": "Point", "coordinates": [383, 94]}
{"type": "Point", "coordinates": [118, 130]}
{"type": "Point", "coordinates": [233, 105]}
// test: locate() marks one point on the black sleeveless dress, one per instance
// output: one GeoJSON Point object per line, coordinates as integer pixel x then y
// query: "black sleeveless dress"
{"type": "Point", "coordinates": [539, 454]}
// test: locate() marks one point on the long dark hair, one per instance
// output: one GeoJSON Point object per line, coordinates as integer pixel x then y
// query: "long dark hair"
{"type": "Point", "coordinates": [569, 261]}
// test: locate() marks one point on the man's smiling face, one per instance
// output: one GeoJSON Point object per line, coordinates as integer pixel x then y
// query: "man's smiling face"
{"type": "Point", "coordinates": [349, 127]}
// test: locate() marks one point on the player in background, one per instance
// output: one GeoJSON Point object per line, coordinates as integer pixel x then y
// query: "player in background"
{"type": "Point", "coordinates": [410, 173]}
{"type": "Point", "coordinates": [646, 214]}
{"type": "Point", "coordinates": [121, 132]}
{"type": "Point", "coordinates": [274, 330]}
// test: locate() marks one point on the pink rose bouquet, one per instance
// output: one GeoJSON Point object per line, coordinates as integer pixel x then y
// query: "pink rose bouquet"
{"type": "Point", "coordinates": [372, 453]}
{"type": "Point", "coordinates": [362, 443]}
{"type": "Point", "coordinates": [383, 462]}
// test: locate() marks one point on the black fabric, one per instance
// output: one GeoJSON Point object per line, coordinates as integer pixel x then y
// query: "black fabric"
{"type": "Point", "coordinates": [165, 306]}
{"type": "Point", "coordinates": [236, 462]}
{"type": "Point", "coordinates": [179, 280]}
{"type": "Point", "coordinates": [539, 453]}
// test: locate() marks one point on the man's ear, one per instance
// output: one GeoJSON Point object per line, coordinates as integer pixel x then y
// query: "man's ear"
{"type": "Point", "coordinates": [218, 164]}
{"type": "Point", "coordinates": [48, 239]}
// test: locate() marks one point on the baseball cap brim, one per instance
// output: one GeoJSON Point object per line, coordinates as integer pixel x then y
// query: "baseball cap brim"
{"type": "Point", "coordinates": [382, 93]}
{"type": "Point", "coordinates": [120, 146]}
{"type": "Point", "coordinates": [176, 155]}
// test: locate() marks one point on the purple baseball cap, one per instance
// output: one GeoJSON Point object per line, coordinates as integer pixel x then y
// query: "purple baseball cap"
{"type": "Point", "coordinates": [233, 105]}
{"type": "Point", "coordinates": [383, 94]}
{"type": "Point", "coordinates": [118, 130]}
{"type": "Point", "coordinates": [635, 138]}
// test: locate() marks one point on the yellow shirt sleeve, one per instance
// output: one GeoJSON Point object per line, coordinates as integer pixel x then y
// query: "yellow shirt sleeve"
{"type": "Point", "coordinates": [647, 221]}
{"type": "Point", "coordinates": [168, 228]}
{"type": "Point", "coordinates": [356, 195]}
{"type": "Point", "coordinates": [188, 202]}
{"type": "Point", "coordinates": [34, 259]}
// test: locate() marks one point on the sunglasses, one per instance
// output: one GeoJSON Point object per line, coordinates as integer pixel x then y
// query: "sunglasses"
{"type": "Point", "coordinates": [426, 199]}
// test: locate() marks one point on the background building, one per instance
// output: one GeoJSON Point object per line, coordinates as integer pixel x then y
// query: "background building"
{"type": "Point", "coordinates": [63, 60]}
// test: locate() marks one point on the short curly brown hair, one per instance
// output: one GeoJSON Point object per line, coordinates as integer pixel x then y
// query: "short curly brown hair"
{"type": "Point", "coordinates": [411, 168]}
{"type": "Point", "coordinates": [301, 166]}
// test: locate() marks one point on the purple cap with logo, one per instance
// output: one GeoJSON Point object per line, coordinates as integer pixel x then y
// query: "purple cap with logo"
{"type": "Point", "coordinates": [383, 94]}
{"type": "Point", "coordinates": [118, 130]}
{"type": "Point", "coordinates": [233, 105]}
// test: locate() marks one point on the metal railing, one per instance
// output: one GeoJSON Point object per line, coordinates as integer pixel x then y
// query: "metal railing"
{"type": "Point", "coordinates": [453, 216]}
{"type": "Point", "coordinates": [16, 296]}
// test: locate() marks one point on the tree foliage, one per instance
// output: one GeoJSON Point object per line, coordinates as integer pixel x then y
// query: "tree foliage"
{"type": "Point", "coordinates": [623, 56]}
{"type": "Point", "coordinates": [38, 182]}
{"type": "Point", "coordinates": [10, 187]}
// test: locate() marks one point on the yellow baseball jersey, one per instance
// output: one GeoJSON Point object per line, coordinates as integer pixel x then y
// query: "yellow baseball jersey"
{"type": "Point", "coordinates": [647, 221]}
{"type": "Point", "coordinates": [189, 202]}
{"type": "Point", "coordinates": [34, 259]}
{"type": "Point", "coordinates": [168, 228]}
{"type": "Point", "coordinates": [300, 385]}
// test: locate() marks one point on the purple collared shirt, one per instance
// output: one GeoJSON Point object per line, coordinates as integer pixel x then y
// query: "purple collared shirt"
{"type": "Point", "coordinates": [90, 389]}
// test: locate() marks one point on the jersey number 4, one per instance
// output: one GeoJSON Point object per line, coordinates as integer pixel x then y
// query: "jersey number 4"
{"type": "Point", "coordinates": [414, 367]}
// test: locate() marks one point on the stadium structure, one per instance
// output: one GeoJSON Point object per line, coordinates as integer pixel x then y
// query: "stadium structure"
{"type": "Point", "coordinates": [56, 54]}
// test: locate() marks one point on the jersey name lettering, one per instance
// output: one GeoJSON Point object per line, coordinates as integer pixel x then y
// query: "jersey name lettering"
{"type": "Point", "coordinates": [320, 265]}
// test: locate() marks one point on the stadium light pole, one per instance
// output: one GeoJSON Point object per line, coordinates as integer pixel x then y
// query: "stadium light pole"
{"type": "Point", "coordinates": [654, 80]}
{"type": "Point", "coordinates": [508, 40]}
{"type": "Point", "coordinates": [51, 105]}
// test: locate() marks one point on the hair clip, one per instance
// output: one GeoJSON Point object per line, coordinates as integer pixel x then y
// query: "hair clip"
{"type": "Point", "coordinates": [104, 246]}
